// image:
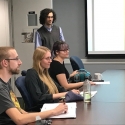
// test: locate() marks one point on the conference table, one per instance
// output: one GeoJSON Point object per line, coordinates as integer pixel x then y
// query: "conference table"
{"type": "Point", "coordinates": [107, 106]}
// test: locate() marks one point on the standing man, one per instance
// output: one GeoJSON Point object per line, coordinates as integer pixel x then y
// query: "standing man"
{"type": "Point", "coordinates": [10, 110]}
{"type": "Point", "coordinates": [48, 33]}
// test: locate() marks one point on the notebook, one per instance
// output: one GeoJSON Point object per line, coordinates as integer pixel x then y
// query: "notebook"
{"type": "Point", "coordinates": [71, 113]}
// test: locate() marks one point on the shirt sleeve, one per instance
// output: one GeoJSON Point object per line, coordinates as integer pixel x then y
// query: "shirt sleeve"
{"type": "Point", "coordinates": [37, 89]}
{"type": "Point", "coordinates": [5, 100]}
{"type": "Point", "coordinates": [61, 34]}
{"type": "Point", "coordinates": [38, 41]}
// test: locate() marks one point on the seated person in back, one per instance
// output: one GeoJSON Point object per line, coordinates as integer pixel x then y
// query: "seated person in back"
{"type": "Point", "coordinates": [10, 111]}
{"type": "Point", "coordinates": [58, 71]}
{"type": "Point", "coordinates": [39, 84]}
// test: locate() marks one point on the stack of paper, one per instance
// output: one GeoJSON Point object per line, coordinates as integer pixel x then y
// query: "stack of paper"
{"type": "Point", "coordinates": [106, 82]}
{"type": "Point", "coordinates": [71, 113]}
{"type": "Point", "coordinates": [92, 93]}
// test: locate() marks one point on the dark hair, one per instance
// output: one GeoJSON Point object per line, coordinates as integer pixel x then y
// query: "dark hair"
{"type": "Point", "coordinates": [44, 13]}
{"type": "Point", "coordinates": [59, 46]}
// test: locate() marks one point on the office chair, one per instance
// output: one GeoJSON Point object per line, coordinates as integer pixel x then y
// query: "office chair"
{"type": "Point", "coordinates": [23, 73]}
{"type": "Point", "coordinates": [76, 63]}
{"type": "Point", "coordinates": [20, 84]}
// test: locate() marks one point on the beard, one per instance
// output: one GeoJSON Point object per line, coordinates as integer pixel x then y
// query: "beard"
{"type": "Point", "coordinates": [14, 71]}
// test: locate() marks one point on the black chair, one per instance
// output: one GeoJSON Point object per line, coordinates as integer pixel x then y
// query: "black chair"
{"type": "Point", "coordinates": [23, 73]}
{"type": "Point", "coordinates": [20, 84]}
{"type": "Point", "coordinates": [76, 63]}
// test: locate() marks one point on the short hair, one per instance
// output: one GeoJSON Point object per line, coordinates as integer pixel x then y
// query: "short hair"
{"type": "Point", "coordinates": [59, 45]}
{"type": "Point", "coordinates": [4, 53]}
{"type": "Point", "coordinates": [44, 13]}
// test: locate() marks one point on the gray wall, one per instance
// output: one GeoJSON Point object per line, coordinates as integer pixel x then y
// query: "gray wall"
{"type": "Point", "coordinates": [71, 17]}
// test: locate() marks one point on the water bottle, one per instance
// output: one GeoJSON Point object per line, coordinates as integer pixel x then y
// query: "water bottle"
{"type": "Point", "coordinates": [87, 91]}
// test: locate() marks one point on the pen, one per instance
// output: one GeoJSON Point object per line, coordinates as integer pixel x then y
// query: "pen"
{"type": "Point", "coordinates": [64, 104]}
{"type": "Point", "coordinates": [63, 101]}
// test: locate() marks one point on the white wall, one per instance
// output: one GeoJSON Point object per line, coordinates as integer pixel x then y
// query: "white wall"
{"type": "Point", "coordinates": [4, 23]}
{"type": "Point", "coordinates": [20, 11]}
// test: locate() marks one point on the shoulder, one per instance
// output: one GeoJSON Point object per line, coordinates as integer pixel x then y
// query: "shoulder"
{"type": "Point", "coordinates": [56, 27]}
{"type": "Point", "coordinates": [3, 85]}
{"type": "Point", "coordinates": [40, 29]}
{"type": "Point", "coordinates": [31, 70]}
{"type": "Point", "coordinates": [55, 63]}
{"type": "Point", "coordinates": [58, 66]}
{"type": "Point", "coordinates": [31, 73]}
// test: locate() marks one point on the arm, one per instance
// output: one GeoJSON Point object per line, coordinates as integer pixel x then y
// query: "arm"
{"type": "Point", "coordinates": [61, 34]}
{"type": "Point", "coordinates": [74, 73]}
{"type": "Point", "coordinates": [24, 112]}
{"type": "Point", "coordinates": [38, 90]}
{"type": "Point", "coordinates": [38, 41]}
{"type": "Point", "coordinates": [22, 119]}
{"type": "Point", "coordinates": [59, 95]}
{"type": "Point", "coordinates": [63, 81]}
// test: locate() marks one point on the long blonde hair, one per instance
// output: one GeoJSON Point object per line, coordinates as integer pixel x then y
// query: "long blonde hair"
{"type": "Point", "coordinates": [38, 55]}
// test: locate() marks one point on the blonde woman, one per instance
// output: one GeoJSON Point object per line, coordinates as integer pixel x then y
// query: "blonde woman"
{"type": "Point", "coordinates": [38, 82]}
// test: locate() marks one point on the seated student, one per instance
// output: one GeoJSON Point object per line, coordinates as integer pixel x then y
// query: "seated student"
{"type": "Point", "coordinates": [57, 70]}
{"type": "Point", "coordinates": [38, 82]}
{"type": "Point", "coordinates": [10, 110]}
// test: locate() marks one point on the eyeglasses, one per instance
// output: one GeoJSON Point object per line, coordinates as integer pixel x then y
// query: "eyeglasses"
{"type": "Point", "coordinates": [13, 59]}
{"type": "Point", "coordinates": [65, 50]}
{"type": "Point", "coordinates": [48, 58]}
{"type": "Point", "coordinates": [49, 16]}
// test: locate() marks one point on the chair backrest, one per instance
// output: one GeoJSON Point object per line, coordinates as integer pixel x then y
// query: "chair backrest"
{"type": "Point", "coordinates": [23, 73]}
{"type": "Point", "coordinates": [20, 84]}
{"type": "Point", "coordinates": [76, 63]}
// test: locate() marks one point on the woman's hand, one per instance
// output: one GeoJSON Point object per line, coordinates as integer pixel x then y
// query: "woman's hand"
{"type": "Point", "coordinates": [92, 83]}
{"type": "Point", "coordinates": [75, 91]}
{"type": "Point", "coordinates": [61, 108]}
{"type": "Point", "coordinates": [74, 73]}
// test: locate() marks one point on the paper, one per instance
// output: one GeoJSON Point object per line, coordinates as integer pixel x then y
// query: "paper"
{"type": "Point", "coordinates": [92, 93]}
{"type": "Point", "coordinates": [106, 82]}
{"type": "Point", "coordinates": [71, 113]}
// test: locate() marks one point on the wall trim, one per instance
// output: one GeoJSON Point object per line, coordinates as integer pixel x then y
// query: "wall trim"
{"type": "Point", "coordinates": [107, 62]}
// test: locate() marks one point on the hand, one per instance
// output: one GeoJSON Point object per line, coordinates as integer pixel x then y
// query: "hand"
{"type": "Point", "coordinates": [76, 91]}
{"type": "Point", "coordinates": [92, 83]}
{"type": "Point", "coordinates": [74, 73]}
{"type": "Point", "coordinates": [61, 108]}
